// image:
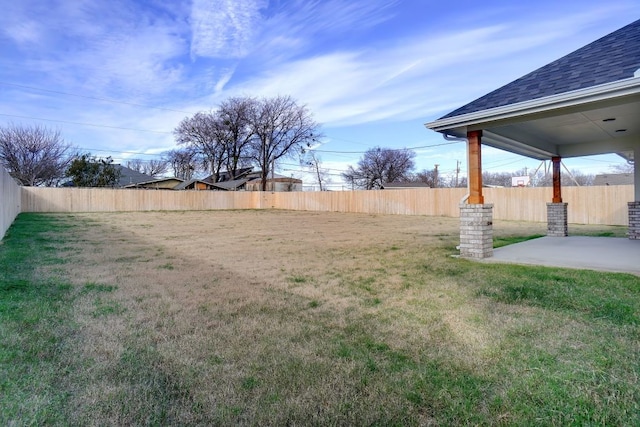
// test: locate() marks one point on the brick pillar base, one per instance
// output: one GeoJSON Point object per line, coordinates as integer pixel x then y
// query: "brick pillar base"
{"type": "Point", "coordinates": [634, 220]}
{"type": "Point", "coordinates": [476, 230]}
{"type": "Point", "coordinates": [557, 220]}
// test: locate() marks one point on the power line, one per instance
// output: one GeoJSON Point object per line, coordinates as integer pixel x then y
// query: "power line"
{"type": "Point", "coordinates": [310, 172]}
{"type": "Point", "coordinates": [299, 165]}
{"type": "Point", "coordinates": [170, 133]}
{"type": "Point", "coordinates": [94, 98]}
{"type": "Point", "coordinates": [349, 140]}
{"type": "Point", "coordinates": [166, 109]}
{"type": "Point", "coordinates": [85, 124]}
{"type": "Point", "coordinates": [389, 149]}
{"type": "Point", "coordinates": [504, 164]}
{"type": "Point", "coordinates": [118, 152]}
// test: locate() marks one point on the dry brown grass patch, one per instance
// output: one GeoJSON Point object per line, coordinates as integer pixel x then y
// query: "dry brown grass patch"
{"type": "Point", "coordinates": [252, 317]}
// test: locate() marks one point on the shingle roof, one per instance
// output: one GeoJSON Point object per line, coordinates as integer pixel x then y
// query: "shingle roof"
{"type": "Point", "coordinates": [226, 175]}
{"type": "Point", "coordinates": [614, 179]}
{"type": "Point", "coordinates": [154, 181]}
{"type": "Point", "coordinates": [230, 185]}
{"type": "Point", "coordinates": [130, 176]}
{"type": "Point", "coordinates": [613, 57]}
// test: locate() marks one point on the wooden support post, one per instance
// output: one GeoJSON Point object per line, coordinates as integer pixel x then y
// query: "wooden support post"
{"type": "Point", "coordinates": [557, 184]}
{"type": "Point", "coordinates": [636, 173]}
{"type": "Point", "coordinates": [474, 138]}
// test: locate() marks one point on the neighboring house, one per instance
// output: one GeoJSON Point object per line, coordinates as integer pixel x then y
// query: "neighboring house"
{"type": "Point", "coordinates": [403, 185]}
{"type": "Point", "coordinates": [277, 183]}
{"type": "Point", "coordinates": [195, 184]}
{"type": "Point", "coordinates": [245, 180]}
{"type": "Point", "coordinates": [226, 175]}
{"type": "Point", "coordinates": [130, 177]}
{"type": "Point", "coordinates": [233, 185]}
{"type": "Point", "coordinates": [157, 184]}
{"type": "Point", "coordinates": [203, 184]}
{"type": "Point", "coordinates": [614, 179]}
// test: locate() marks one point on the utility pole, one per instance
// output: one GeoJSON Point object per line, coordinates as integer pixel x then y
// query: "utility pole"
{"type": "Point", "coordinates": [273, 175]}
{"type": "Point", "coordinates": [457, 171]}
{"type": "Point", "coordinates": [435, 176]}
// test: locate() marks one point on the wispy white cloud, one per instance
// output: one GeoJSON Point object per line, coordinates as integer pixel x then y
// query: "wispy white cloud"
{"type": "Point", "coordinates": [23, 32]}
{"type": "Point", "coordinates": [114, 50]}
{"type": "Point", "coordinates": [136, 62]}
{"type": "Point", "coordinates": [309, 19]}
{"type": "Point", "coordinates": [415, 77]}
{"type": "Point", "coordinates": [333, 55]}
{"type": "Point", "coordinates": [305, 26]}
{"type": "Point", "coordinates": [224, 28]}
{"type": "Point", "coordinates": [224, 79]}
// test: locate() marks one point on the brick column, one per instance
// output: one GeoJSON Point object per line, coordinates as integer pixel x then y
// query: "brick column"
{"type": "Point", "coordinates": [634, 220]}
{"type": "Point", "coordinates": [476, 230]}
{"type": "Point", "coordinates": [557, 220]}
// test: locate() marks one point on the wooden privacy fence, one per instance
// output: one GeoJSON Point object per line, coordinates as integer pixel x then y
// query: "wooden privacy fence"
{"type": "Point", "coordinates": [109, 200]}
{"type": "Point", "coordinates": [9, 201]}
{"type": "Point", "coordinates": [587, 205]}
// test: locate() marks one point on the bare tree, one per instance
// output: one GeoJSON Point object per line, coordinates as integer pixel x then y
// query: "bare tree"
{"type": "Point", "coordinates": [233, 129]}
{"type": "Point", "coordinates": [34, 155]}
{"type": "Point", "coordinates": [578, 178]}
{"type": "Point", "coordinates": [153, 168]}
{"type": "Point", "coordinates": [281, 128]}
{"type": "Point", "coordinates": [313, 162]}
{"type": "Point", "coordinates": [379, 166]}
{"type": "Point", "coordinates": [201, 133]}
{"type": "Point", "coordinates": [425, 176]}
{"type": "Point", "coordinates": [183, 162]}
{"type": "Point", "coordinates": [498, 179]}
{"type": "Point", "coordinates": [623, 168]}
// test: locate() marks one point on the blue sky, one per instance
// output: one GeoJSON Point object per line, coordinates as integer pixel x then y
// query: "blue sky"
{"type": "Point", "coordinates": [117, 77]}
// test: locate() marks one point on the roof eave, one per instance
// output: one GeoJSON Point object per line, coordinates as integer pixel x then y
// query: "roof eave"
{"type": "Point", "coordinates": [458, 125]}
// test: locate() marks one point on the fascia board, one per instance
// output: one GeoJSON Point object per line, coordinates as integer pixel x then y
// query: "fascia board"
{"type": "Point", "coordinates": [605, 92]}
{"type": "Point", "coordinates": [543, 151]}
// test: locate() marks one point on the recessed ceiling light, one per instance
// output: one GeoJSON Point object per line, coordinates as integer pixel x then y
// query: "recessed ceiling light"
{"type": "Point", "coordinates": [621, 130]}
{"type": "Point", "coordinates": [610, 119]}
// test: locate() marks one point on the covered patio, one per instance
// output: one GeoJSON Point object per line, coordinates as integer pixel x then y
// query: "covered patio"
{"type": "Point", "coordinates": [585, 103]}
{"type": "Point", "coordinates": [582, 252]}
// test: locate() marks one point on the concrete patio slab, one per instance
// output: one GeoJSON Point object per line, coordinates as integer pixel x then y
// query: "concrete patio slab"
{"type": "Point", "coordinates": [591, 253]}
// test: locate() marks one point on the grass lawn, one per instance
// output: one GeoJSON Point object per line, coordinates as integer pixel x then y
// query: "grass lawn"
{"type": "Point", "coordinates": [298, 318]}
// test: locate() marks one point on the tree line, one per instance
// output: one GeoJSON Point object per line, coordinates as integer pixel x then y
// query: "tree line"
{"type": "Point", "coordinates": [380, 166]}
{"type": "Point", "coordinates": [241, 132]}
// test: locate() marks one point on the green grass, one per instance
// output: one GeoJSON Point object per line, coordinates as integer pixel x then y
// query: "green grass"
{"type": "Point", "coordinates": [510, 240]}
{"type": "Point", "coordinates": [406, 336]}
{"type": "Point", "coordinates": [580, 293]}
{"type": "Point", "coordinates": [34, 322]}
{"type": "Point", "coordinates": [605, 231]}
